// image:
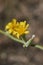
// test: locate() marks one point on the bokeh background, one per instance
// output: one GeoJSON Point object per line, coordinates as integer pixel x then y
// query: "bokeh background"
{"type": "Point", "coordinates": [12, 53]}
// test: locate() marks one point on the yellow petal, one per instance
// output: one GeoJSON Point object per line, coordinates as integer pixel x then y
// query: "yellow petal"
{"type": "Point", "coordinates": [14, 21]}
{"type": "Point", "coordinates": [14, 33]}
{"type": "Point", "coordinates": [18, 35]}
{"type": "Point", "coordinates": [27, 26]}
{"type": "Point", "coordinates": [17, 24]}
{"type": "Point", "coordinates": [26, 32]}
{"type": "Point", "coordinates": [23, 23]}
{"type": "Point", "coordinates": [7, 27]}
{"type": "Point", "coordinates": [9, 24]}
{"type": "Point", "coordinates": [10, 31]}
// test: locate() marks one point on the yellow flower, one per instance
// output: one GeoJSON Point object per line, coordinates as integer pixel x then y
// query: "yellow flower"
{"type": "Point", "coordinates": [17, 29]}
{"type": "Point", "coordinates": [22, 29]}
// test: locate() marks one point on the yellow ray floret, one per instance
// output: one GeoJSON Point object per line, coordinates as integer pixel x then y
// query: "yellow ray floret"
{"type": "Point", "coordinates": [17, 28]}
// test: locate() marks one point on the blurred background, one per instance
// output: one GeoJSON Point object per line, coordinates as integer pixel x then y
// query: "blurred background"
{"type": "Point", "coordinates": [12, 53]}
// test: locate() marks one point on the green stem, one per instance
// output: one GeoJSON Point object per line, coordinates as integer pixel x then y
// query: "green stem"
{"type": "Point", "coordinates": [26, 44]}
{"type": "Point", "coordinates": [10, 36]}
{"type": "Point", "coordinates": [39, 46]}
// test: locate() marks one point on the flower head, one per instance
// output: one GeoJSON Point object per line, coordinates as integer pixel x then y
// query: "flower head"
{"type": "Point", "coordinates": [17, 28]}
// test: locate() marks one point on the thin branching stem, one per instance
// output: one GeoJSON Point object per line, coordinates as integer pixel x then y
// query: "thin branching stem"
{"type": "Point", "coordinates": [25, 44]}
{"type": "Point", "coordinates": [13, 38]}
